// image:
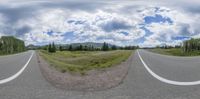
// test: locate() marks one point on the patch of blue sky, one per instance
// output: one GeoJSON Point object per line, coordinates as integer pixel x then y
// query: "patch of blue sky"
{"type": "Point", "coordinates": [125, 33]}
{"type": "Point", "coordinates": [69, 35]}
{"type": "Point", "coordinates": [76, 22]}
{"type": "Point", "coordinates": [103, 38]}
{"type": "Point", "coordinates": [181, 38]}
{"type": "Point", "coordinates": [157, 19]}
{"type": "Point", "coordinates": [50, 32]}
{"type": "Point", "coordinates": [147, 33]}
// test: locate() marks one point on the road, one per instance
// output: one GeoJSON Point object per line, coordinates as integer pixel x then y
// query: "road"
{"type": "Point", "coordinates": [139, 83]}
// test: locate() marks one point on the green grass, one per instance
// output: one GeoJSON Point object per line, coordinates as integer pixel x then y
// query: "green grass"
{"type": "Point", "coordinates": [4, 54]}
{"type": "Point", "coordinates": [83, 61]}
{"type": "Point", "coordinates": [175, 52]}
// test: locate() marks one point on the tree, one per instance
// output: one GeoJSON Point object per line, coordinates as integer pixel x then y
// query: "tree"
{"type": "Point", "coordinates": [85, 48]}
{"type": "Point", "coordinates": [114, 47]}
{"type": "Point", "coordinates": [10, 44]}
{"type": "Point", "coordinates": [45, 47]}
{"type": "Point", "coordinates": [49, 48]}
{"type": "Point", "coordinates": [80, 47]}
{"type": "Point", "coordinates": [70, 48]}
{"type": "Point", "coordinates": [60, 48]}
{"type": "Point", "coordinates": [191, 45]}
{"type": "Point", "coordinates": [105, 47]}
{"type": "Point", "coordinates": [0, 45]}
{"type": "Point", "coordinates": [92, 48]}
{"type": "Point", "coordinates": [53, 48]}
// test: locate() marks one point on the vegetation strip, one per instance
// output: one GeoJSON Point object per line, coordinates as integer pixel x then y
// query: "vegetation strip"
{"type": "Point", "coordinates": [93, 80]}
{"type": "Point", "coordinates": [175, 52]}
{"type": "Point", "coordinates": [83, 61]}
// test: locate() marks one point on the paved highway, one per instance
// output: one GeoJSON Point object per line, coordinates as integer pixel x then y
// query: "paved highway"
{"type": "Point", "coordinates": [139, 83]}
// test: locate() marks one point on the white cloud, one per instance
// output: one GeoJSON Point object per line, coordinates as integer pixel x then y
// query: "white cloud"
{"type": "Point", "coordinates": [99, 25]}
{"type": "Point", "coordinates": [184, 24]}
{"type": "Point", "coordinates": [86, 27]}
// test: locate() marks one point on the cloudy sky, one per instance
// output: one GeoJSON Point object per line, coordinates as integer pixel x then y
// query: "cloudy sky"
{"type": "Point", "coordinates": [123, 22]}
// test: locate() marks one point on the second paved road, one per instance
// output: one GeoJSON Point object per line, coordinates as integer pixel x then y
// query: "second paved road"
{"type": "Point", "coordinates": [138, 84]}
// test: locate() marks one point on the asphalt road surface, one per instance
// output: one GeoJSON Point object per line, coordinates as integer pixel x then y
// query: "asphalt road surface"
{"type": "Point", "coordinates": [139, 83]}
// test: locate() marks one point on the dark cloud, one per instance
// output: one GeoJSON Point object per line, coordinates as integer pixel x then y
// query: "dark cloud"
{"type": "Point", "coordinates": [21, 31]}
{"type": "Point", "coordinates": [31, 9]}
{"type": "Point", "coordinates": [185, 29]}
{"type": "Point", "coordinates": [80, 5]}
{"type": "Point", "coordinates": [115, 25]}
{"type": "Point", "coordinates": [14, 14]}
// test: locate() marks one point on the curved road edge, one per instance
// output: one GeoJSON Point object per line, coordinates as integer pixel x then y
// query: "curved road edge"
{"type": "Point", "coordinates": [18, 73]}
{"type": "Point", "coordinates": [162, 79]}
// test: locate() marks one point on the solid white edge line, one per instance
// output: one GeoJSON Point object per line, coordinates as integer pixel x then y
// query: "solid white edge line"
{"type": "Point", "coordinates": [166, 80]}
{"type": "Point", "coordinates": [18, 73]}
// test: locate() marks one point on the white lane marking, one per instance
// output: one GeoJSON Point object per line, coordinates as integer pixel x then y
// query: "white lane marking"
{"type": "Point", "coordinates": [164, 79]}
{"type": "Point", "coordinates": [18, 73]}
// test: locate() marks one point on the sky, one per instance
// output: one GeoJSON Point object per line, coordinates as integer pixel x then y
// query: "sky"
{"type": "Point", "coordinates": [146, 23]}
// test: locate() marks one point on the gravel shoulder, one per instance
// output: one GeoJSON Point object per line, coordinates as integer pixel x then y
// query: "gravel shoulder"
{"type": "Point", "coordinates": [94, 80]}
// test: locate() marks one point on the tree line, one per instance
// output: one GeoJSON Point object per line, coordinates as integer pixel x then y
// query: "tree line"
{"type": "Point", "coordinates": [191, 45]}
{"type": "Point", "coordinates": [168, 46]}
{"type": "Point", "coordinates": [105, 47]}
{"type": "Point", "coordinates": [52, 48]}
{"type": "Point", "coordinates": [10, 44]}
{"type": "Point", "coordinates": [187, 46]}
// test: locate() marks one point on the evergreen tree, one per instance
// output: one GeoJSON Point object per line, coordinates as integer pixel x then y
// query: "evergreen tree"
{"type": "Point", "coordinates": [191, 45]}
{"type": "Point", "coordinates": [70, 48]}
{"type": "Point", "coordinates": [105, 47]}
{"type": "Point", "coordinates": [53, 48]}
{"type": "Point", "coordinates": [85, 48]}
{"type": "Point", "coordinates": [60, 48]}
{"type": "Point", "coordinates": [10, 44]}
{"type": "Point", "coordinates": [80, 47]}
{"type": "Point", "coordinates": [92, 48]}
{"type": "Point", "coordinates": [49, 48]}
{"type": "Point", "coordinates": [114, 47]}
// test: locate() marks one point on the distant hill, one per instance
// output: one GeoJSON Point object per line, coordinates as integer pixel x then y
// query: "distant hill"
{"type": "Point", "coordinates": [32, 47]}
{"type": "Point", "coordinates": [95, 45]}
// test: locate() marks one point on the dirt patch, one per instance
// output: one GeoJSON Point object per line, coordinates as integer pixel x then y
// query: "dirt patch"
{"type": "Point", "coordinates": [91, 81]}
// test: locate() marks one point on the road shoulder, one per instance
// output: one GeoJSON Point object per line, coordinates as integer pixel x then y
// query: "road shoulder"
{"type": "Point", "coordinates": [94, 80]}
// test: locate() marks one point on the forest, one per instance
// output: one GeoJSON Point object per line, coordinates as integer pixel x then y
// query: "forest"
{"type": "Point", "coordinates": [52, 47]}
{"type": "Point", "coordinates": [191, 45]}
{"type": "Point", "coordinates": [10, 45]}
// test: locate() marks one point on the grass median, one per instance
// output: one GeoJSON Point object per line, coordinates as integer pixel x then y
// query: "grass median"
{"type": "Point", "coordinates": [83, 61]}
{"type": "Point", "coordinates": [175, 52]}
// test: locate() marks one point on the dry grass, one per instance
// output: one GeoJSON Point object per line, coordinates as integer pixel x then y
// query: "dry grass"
{"type": "Point", "coordinates": [83, 61]}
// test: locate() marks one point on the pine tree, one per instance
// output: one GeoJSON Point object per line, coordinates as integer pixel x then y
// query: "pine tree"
{"type": "Point", "coordinates": [114, 47]}
{"type": "Point", "coordinates": [49, 48]}
{"type": "Point", "coordinates": [60, 48]}
{"type": "Point", "coordinates": [70, 48]}
{"type": "Point", "coordinates": [85, 48]}
{"type": "Point", "coordinates": [92, 48]}
{"type": "Point", "coordinates": [80, 47]}
{"type": "Point", "coordinates": [53, 48]}
{"type": "Point", "coordinates": [105, 47]}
